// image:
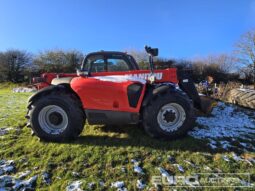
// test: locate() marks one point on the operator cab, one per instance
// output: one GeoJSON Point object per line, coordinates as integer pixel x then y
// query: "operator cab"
{"type": "Point", "coordinates": [108, 61]}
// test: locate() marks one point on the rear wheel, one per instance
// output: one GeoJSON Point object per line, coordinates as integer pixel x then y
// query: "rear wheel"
{"type": "Point", "coordinates": [168, 116]}
{"type": "Point", "coordinates": [56, 117]}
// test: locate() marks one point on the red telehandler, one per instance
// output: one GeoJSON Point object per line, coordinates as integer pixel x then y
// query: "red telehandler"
{"type": "Point", "coordinates": [111, 89]}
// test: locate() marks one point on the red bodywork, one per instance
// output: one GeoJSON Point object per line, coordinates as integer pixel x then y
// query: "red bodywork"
{"type": "Point", "coordinates": [111, 95]}
{"type": "Point", "coordinates": [167, 75]}
{"type": "Point", "coordinates": [105, 95]}
{"type": "Point", "coordinates": [108, 95]}
{"type": "Point", "coordinates": [46, 78]}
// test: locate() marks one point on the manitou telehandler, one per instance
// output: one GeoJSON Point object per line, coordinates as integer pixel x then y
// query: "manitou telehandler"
{"type": "Point", "coordinates": [111, 89]}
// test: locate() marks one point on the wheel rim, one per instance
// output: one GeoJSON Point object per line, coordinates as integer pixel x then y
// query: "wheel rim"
{"type": "Point", "coordinates": [171, 117]}
{"type": "Point", "coordinates": [53, 119]}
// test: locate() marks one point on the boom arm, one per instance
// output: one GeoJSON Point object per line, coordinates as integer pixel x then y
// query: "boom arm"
{"type": "Point", "coordinates": [186, 83]}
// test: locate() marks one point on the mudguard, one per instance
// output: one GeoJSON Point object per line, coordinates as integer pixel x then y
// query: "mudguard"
{"type": "Point", "coordinates": [45, 91]}
{"type": "Point", "coordinates": [153, 91]}
{"type": "Point", "coordinates": [65, 80]}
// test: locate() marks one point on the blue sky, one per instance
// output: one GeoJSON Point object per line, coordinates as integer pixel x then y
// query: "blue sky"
{"type": "Point", "coordinates": [179, 28]}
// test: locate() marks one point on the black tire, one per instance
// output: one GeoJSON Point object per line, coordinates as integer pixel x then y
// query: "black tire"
{"type": "Point", "coordinates": [65, 111]}
{"type": "Point", "coordinates": [156, 108]}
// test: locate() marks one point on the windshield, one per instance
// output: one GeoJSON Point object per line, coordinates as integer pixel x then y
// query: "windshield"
{"type": "Point", "coordinates": [109, 62]}
{"type": "Point", "coordinates": [96, 59]}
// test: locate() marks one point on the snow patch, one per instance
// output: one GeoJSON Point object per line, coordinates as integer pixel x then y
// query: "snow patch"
{"type": "Point", "coordinates": [74, 186]}
{"type": "Point", "coordinates": [123, 169]}
{"type": "Point", "coordinates": [226, 123]}
{"type": "Point", "coordinates": [190, 163]}
{"type": "Point", "coordinates": [17, 182]}
{"type": "Point", "coordinates": [165, 174]}
{"type": "Point", "coordinates": [23, 90]}
{"type": "Point", "coordinates": [138, 170]}
{"type": "Point", "coordinates": [120, 185]}
{"type": "Point", "coordinates": [140, 184]}
{"type": "Point", "coordinates": [91, 185]}
{"type": "Point", "coordinates": [236, 158]}
{"type": "Point", "coordinates": [4, 130]}
{"type": "Point", "coordinates": [101, 183]}
{"type": "Point", "coordinates": [6, 166]}
{"type": "Point", "coordinates": [22, 175]}
{"type": "Point", "coordinates": [207, 168]}
{"type": "Point", "coordinates": [171, 159]}
{"type": "Point", "coordinates": [46, 178]}
{"type": "Point", "coordinates": [180, 168]}
{"type": "Point", "coordinates": [76, 174]}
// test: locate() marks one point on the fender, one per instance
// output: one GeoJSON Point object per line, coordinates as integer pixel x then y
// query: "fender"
{"type": "Point", "coordinates": [154, 91]}
{"type": "Point", "coordinates": [65, 80]}
{"type": "Point", "coordinates": [57, 84]}
{"type": "Point", "coordinates": [44, 91]}
{"type": "Point", "coordinates": [49, 89]}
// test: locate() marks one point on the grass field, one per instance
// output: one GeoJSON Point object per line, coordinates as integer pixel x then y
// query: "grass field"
{"type": "Point", "coordinates": [103, 153]}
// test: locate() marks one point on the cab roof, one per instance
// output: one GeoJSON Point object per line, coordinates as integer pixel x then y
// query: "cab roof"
{"type": "Point", "coordinates": [102, 52]}
{"type": "Point", "coordinates": [129, 58]}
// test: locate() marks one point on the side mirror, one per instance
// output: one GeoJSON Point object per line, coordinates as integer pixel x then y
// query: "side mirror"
{"type": "Point", "coordinates": [151, 51]}
{"type": "Point", "coordinates": [80, 72]}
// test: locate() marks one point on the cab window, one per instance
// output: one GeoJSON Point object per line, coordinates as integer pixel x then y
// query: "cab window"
{"type": "Point", "coordinates": [95, 63]}
{"type": "Point", "coordinates": [117, 63]}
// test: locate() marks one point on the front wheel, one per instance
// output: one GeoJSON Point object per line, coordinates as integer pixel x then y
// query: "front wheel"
{"type": "Point", "coordinates": [168, 116]}
{"type": "Point", "coordinates": [56, 117]}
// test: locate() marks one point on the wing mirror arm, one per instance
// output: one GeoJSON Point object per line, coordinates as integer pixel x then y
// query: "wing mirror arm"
{"type": "Point", "coordinates": [151, 63]}
{"type": "Point", "coordinates": [151, 52]}
{"type": "Point", "coordinates": [82, 73]}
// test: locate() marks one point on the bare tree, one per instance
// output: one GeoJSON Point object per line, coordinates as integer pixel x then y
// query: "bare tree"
{"type": "Point", "coordinates": [245, 49]}
{"type": "Point", "coordinates": [221, 67]}
{"type": "Point", "coordinates": [58, 61]}
{"type": "Point", "coordinates": [13, 63]}
{"type": "Point", "coordinates": [3, 67]}
{"type": "Point", "coordinates": [141, 58]}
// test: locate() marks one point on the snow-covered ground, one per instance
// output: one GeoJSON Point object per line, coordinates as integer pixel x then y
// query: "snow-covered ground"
{"type": "Point", "coordinates": [23, 90]}
{"type": "Point", "coordinates": [5, 130]}
{"type": "Point", "coordinates": [15, 182]}
{"type": "Point", "coordinates": [229, 127]}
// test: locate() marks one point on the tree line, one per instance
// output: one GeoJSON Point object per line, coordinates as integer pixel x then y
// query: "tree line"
{"type": "Point", "coordinates": [21, 66]}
